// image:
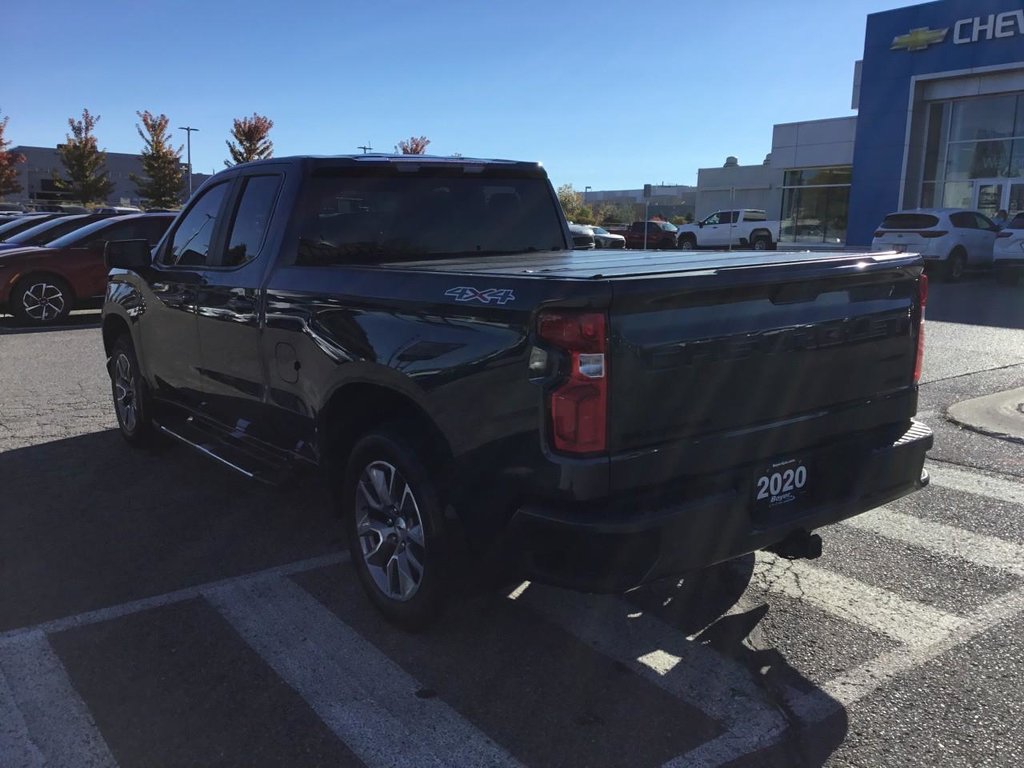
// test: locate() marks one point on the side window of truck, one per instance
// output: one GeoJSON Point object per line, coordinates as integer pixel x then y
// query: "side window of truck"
{"type": "Point", "coordinates": [190, 245]}
{"type": "Point", "coordinates": [252, 215]}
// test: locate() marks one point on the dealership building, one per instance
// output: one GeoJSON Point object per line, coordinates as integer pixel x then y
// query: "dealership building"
{"type": "Point", "coordinates": [939, 97]}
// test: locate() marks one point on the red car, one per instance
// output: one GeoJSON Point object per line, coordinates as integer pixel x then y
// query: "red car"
{"type": "Point", "coordinates": [660, 234]}
{"type": "Point", "coordinates": [41, 285]}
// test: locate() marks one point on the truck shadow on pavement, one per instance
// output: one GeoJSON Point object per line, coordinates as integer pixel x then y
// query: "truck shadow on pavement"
{"type": "Point", "coordinates": [556, 677]}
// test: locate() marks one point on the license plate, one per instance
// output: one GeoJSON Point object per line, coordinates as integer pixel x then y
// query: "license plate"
{"type": "Point", "coordinates": [900, 248]}
{"type": "Point", "coordinates": [782, 482]}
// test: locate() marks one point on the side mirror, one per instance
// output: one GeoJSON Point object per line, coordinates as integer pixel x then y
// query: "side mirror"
{"type": "Point", "coordinates": [700, 224]}
{"type": "Point", "coordinates": [127, 254]}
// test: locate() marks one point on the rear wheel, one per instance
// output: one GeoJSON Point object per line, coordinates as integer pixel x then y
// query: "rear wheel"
{"type": "Point", "coordinates": [762, 243]}
{"type": "Point", "coordinates": [956, 264]}
{"type": "Point", "coordinates": [396, 532]}
{"type": "Point", "coordinates": [41, 300]}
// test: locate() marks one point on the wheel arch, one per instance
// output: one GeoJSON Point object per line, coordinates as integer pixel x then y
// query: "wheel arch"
{"type": "Point", "coordinates": [354, 408]}
{"type": "Point", "coordinates": [113, 326]}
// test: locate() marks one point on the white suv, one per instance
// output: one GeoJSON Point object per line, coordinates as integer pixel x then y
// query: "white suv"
{"type": "Point", "coordinates": [1008, 255]}
{"type": "Point", "coordinates": [957, 238]}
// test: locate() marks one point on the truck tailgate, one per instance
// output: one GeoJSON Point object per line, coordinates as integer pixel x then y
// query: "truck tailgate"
{"type": "Point", "coordinates": [741, 362]}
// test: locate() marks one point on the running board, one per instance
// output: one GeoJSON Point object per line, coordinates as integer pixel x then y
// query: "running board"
{"type": "Point", "coordinates": [246, 463]}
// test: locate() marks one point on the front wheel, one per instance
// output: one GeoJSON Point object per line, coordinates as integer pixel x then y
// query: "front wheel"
{"type": "Point", "coordinates": [688, 243]}
{"type": "Point", "coordinates": [131, 396]}
{"type": "Point", "coordinates": [396, 533]}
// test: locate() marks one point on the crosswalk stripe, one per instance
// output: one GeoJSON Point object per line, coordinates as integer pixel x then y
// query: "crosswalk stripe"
{"type": "Point", "coordinates": [43, 722]}
{"type": "Point", "coordinates": [976, 548]}
{"type": "Point", "coordinates": [698, 675]}
{"type": "Point", "coordinates": [977, 483]}
{"type": "Point", "coordinates": [363, 696]}
{"type": "Point", "coordinates": [879, 610]}
{"type": "Point", "coordinates": [861, 681]}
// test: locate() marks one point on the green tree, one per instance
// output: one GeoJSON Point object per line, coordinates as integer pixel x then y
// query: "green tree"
{"type": "Point", "coordinates": [571, 200]}
{"type": "Point", "coordinates": [84, 162]}
{"type": "Point", "coordinates": [161, 184]}
{"type": "Point", "coordinates": [414, 145]}
{"type": "Point", "coordinates": [251, 140]}
{"type": "Point", "coordinates": [8, 162]}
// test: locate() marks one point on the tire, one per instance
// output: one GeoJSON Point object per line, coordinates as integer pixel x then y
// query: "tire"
{"type": "Point", "coordinates": [132, 403]}
{"type": "Point", "coordinates": [395, 525]}
{"type": "Point", "coordinates": [41, 300]}
{"type": "Point", "coordinates": [762, 243]}
{"type": "Point", "coordinates": [955, 265]}
{"type": "Point", "coordinates": [688, 243]}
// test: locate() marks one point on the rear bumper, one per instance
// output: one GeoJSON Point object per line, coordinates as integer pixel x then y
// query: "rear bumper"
{"type": "Point", "coordinates": [616, 546]}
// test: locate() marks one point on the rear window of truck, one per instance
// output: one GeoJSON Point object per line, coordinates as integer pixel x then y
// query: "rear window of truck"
{"type": "Point", "coordinates": [909, 221]}
{"type": "Point", "coordinates": [391, 217]}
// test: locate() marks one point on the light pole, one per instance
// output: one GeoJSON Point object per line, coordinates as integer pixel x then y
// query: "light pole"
{"type": "Point", "coordinates": [365, 147]}
{"type": "Point", "coordinates": [188, 157]}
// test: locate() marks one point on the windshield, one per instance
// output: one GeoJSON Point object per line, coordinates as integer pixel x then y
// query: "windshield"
{"type": "Point", "coordinates": [909, 221]}
{"type": "Point", "coordinates": [669, 227]}
{"type": "Point", "coordinates": [21, 224]}
{"type": "Point", "coordinates": [79, 235]}
{"type": "Point", "coordinates": [51, 230]}
{"type": "Point", "coordinates": [599, 230]}
{"type": "Point", "coordinates": [390, 217]}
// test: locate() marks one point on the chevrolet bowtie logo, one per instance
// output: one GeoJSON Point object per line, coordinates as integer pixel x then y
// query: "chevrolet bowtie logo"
{"type": "Point", "coordinates": [919, 39]}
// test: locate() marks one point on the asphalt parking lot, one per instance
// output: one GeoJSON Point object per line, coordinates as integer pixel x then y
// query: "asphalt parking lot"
{"type": "Point", "coordinates": [155, 609]}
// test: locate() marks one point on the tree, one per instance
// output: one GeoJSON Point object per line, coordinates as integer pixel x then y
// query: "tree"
{"type": "Point", "coordinates": [161, 185]}
{"type": "Point", "coordinates": [83, 162]}
{"type": "Point", "coordinates": [8, 161]}
{"type": "Point", "coordinates": [252, 137]}
{"type": "Point", "coordinates": [414, 145]}
{"type": "Point", "coordinates": [571, 200]}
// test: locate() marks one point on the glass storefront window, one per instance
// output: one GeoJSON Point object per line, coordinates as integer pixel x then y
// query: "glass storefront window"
{"type": "Point", "coordinates": [957, 194]}
{"type": "Point", "coordinates": [815, 214]}
{"type": "Point", "coordinates": [984, 119]}
{"type": "Point", "coordinates": [978, 160]}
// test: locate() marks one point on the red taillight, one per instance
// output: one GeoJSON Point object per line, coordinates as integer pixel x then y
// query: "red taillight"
{"type": "Point", "coordinates": [1004, 233]}
{"type": "Point", "coordinates": [933, 233]}
{"type": "Point", "coordinates": [879, 232]}
{"type": "Point", "coordinates": [579, 404]}
{"type": "Point", "coordinates": [922, 295]}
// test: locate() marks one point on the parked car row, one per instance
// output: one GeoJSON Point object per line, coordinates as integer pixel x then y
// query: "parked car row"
{"type": "Point", "coordinates": [56, 264]}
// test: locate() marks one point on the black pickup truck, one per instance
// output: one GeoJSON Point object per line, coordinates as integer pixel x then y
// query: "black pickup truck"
{"type": "Point", "coordinates": [421, 329]}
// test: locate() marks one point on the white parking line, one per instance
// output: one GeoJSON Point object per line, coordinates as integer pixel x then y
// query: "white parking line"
{"type": "Point", "coordinates": [879, 610]}
{"type": "Point", "coordinates": [43, 722]}
{"type": "Point", "coordinates": [363, 696]}
{"type": "Point", "coordinates": [977, 483]}
{"type": "Point", "coordinates": [168, 598]}
{"type": "Point", "coordinates": [976, 548]}
{"type": "Point", "coordinates": [700, 676]}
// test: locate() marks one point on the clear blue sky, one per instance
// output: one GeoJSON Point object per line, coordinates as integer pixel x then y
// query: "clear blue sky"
{"type": "Point", "coordinates": [603, 93]}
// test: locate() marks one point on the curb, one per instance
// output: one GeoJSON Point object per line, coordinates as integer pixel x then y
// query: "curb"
{"type": "Point", "coordinates": [1000, 415]}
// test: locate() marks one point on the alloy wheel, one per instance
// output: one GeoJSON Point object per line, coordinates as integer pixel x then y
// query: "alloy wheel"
{"type": "Point", "coordinates": [43, 301]}
{"type": "Point", "coordinates": [390, 531]}
{"type": "Point", "coordinates": [124, 393]}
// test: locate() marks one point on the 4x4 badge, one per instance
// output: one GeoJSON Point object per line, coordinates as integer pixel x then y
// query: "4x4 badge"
{"type": "Point", "coordinates": [486, 296]}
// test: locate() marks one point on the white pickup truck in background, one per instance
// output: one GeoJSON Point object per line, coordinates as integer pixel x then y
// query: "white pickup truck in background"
{"type": "Point", "coordinates": [746, 228]}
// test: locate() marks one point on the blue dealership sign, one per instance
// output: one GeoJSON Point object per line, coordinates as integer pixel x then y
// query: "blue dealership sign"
{"type": "Point", "coordinates": [953, 37]}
